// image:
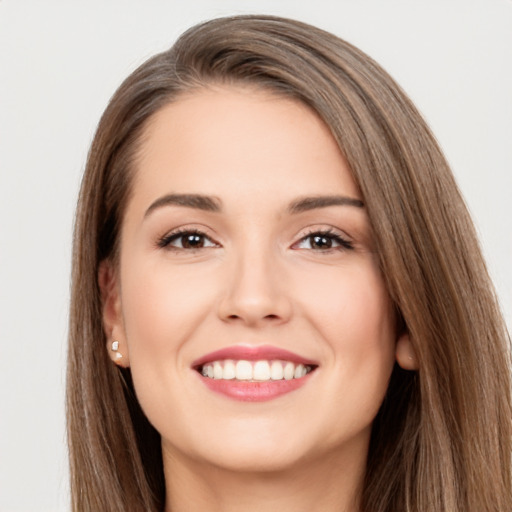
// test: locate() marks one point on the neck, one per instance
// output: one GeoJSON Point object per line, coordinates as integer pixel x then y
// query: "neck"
{"type": "Point", "coordinates": [328, 484]}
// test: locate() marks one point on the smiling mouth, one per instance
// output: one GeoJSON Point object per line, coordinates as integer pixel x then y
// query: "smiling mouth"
{"type": "Point", "coordinates": [254, 371]}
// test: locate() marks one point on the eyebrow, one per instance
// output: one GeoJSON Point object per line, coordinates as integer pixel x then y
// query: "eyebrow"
{"type": "Point", "coordinates": [197, 201]}
{"type": "Point", "coordinates": [213, 204]}
{"type": "Point", "coordinates": [311, 203]}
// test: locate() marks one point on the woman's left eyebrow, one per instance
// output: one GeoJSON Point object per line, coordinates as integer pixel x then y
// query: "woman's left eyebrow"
{"type": "Point", "coordinates": [311, 203]}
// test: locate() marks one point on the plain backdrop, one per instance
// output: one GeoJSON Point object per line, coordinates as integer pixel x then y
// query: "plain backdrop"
{"type": "Point", "coordinates": [59, 64]}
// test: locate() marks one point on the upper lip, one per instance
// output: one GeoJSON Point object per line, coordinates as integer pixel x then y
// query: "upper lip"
{"type": "Point", "coordinates": [253, 353]}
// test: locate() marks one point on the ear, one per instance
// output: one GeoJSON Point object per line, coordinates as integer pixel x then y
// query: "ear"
{"type": "Point", "coordinates": [113, 323]}
{"type": "Point", "coordinates": [405, 354]}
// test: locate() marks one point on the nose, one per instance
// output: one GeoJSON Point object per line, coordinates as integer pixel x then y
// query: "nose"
{"type": "Point", "coordinates": [256, 292]}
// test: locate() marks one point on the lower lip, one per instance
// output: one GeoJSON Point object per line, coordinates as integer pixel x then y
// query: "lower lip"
{"type": "Point", "coordinates": [246, 391]}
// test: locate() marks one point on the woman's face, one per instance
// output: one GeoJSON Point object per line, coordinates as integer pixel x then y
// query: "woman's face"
{"type": "Point", "coordinates": [246, 252]}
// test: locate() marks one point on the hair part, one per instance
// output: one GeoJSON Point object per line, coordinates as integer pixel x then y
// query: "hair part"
{"type": "Point", "coordinates": [442, 440]}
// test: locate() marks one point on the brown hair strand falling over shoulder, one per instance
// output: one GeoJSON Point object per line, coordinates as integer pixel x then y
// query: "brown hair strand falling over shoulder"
{"type": "Point", "coordinates": [442, 439]}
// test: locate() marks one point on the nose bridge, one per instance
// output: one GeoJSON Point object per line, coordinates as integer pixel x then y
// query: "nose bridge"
{"type": "Point", "coordinates": [255, 290]}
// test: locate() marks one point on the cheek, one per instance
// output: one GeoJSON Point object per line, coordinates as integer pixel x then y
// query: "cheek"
{"type": "Point", "coordinates": [355, 322]}
{"type": "Point", "coordinates": [163, 305]}
{"type": "Point", "coordinates": [349, 302]}
{"type": "Point", "coordinates": [162, 309]}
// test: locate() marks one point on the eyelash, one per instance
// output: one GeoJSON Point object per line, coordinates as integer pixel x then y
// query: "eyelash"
{"type": "Point", "coordinates": [343, 244]}
{"type": "Point", "coordinates": [166, 240]}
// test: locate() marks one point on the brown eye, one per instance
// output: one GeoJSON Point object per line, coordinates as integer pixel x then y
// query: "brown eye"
{"type": "Point", "coordinates": [320, 242]}
{"type": "Point", "coordinates": [192, 241]}
{"type": "Point", "coordinates": [323, 241]}
{"type": "Point", "coordinates": [186, 240]}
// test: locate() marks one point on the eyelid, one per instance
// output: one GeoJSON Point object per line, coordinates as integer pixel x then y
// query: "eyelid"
{"type": "Point", "coordinates": [164, 241]}
{"type": "Point", "coordinates": [344, 241]}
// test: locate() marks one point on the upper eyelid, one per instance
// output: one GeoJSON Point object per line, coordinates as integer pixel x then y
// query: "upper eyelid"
{"type": "Point", "coordinates": [329, 230]}
{"type": "Point", "coordinates": [165, 240]}
{"type": "Point", "coordinates": [342, 238]}
{"type": "Point", "coordinates": [192, 228]}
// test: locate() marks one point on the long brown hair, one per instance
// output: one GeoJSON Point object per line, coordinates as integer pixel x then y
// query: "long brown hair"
{"type": "Point", "coordinates": [442, 440]}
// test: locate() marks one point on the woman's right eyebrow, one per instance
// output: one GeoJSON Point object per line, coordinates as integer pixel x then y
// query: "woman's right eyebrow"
{"type": "Point", "coordinates": [197, 201]}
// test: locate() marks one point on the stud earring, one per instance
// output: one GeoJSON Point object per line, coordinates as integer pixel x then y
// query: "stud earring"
{"type": "Point", "coordinates": [115, 347]}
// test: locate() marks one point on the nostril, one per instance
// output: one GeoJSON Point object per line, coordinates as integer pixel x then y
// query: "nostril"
{"type": "Point", "coordinates": [253, 309]}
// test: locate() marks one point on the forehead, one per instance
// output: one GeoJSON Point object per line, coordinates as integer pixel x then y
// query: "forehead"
{"type": "Point", "coordinates": [243, 141]}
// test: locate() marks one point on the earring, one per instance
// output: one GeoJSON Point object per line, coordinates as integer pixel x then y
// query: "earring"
{"type": "Point", "coordinates": [115, 347]}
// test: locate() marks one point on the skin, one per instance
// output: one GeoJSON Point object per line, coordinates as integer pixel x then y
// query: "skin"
{"type": "Point", "coordinates": [258, 279]}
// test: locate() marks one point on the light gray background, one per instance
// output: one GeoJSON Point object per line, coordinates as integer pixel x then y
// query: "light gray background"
{"type": "Point", "coordinates": [59, 64]}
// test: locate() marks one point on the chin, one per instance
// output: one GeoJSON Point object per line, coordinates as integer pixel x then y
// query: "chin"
{"type": "Point", "coordinates": [255, 458]}
{"type": "Point", "coordinates": [266, 448]}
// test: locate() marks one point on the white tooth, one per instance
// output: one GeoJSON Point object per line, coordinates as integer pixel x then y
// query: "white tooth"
{"type": "Point", "coordinates": [304, 372]}
{"type": "Point", "coordinates": [298, 371]}
{"type": "Point", "coordinates": [229, 370]}
{"type": "Point", "coordinates": [261, 371]}
{"type": "Point", "coordinates": [288, 371]}
{"type": "Point", "coordinates": [276, 370]}
{"type": "Point", "coordinates": [243, 370]}
{"type": "Point", "coordinates": [217, 370]}
{"type": "Point", "coordinates": [204, 371]}
{"type": "Point", "coordinates": [209, 370]}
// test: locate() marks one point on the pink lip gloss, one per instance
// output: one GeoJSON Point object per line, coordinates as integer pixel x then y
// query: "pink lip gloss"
{"type": "Point", "coordinates": [253, 391]}
{"type": "Point", "coordinates": [253, 373]}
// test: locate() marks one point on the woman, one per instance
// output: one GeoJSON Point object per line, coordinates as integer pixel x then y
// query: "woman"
{"type": "Point", "coordinates": [265, 226]}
